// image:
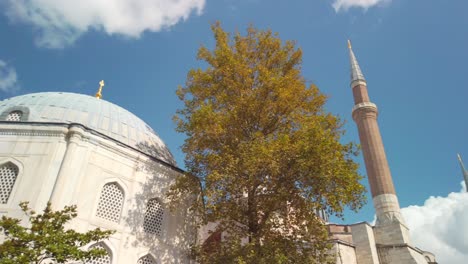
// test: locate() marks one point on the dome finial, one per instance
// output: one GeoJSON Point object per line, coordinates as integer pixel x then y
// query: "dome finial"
{"type": "Point", "coordinates": [99, 92]}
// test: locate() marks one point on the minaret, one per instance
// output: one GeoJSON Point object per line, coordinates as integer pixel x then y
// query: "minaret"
{"type": "Point", "coordinates": [465, 173]}
{"type": "Point", "coordinates": [389, 238]}
{"type": "Point", "coordinates": [378, 172]}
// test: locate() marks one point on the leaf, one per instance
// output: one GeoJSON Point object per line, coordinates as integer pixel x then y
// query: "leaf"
{"type": "Point", "coordinates": [46, 238]}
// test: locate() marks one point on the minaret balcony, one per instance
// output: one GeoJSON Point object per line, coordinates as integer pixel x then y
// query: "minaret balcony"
{"type": "Point", "coordinates": [368, 106]}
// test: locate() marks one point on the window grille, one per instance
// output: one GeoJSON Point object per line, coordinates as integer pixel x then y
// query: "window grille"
{"type": "Point", "coordinates": [14, 116]}
{"type": "Point", "coordinates": [147, 259]}
{"type": "Point", "coordinates": [110, 202]}
{"type": "Point", "coordinates": [8, 175]}
{"type": "Point", "coordinates": [154, 217]}
{"type": "Point", "coordinates": [106, 259]}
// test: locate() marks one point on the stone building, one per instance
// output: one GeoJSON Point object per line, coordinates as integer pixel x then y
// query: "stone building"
{"type": "Point", "coordinates": [388, 241]}
{"type": "Point", "coordinates": [70, 148]}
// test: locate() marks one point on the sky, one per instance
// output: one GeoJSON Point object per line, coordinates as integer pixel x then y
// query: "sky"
{"type": "Point", "coordinates": [413, 54]}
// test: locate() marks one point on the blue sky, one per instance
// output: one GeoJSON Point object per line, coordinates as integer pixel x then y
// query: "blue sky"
{"type": "Point", "coordinates": [413, 54]}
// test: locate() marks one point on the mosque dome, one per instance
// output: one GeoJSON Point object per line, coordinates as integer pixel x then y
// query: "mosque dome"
{"type": "Point", "coordinates": [99, 115]}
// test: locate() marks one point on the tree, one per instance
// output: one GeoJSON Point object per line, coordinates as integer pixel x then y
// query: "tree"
{"type": "Point", "coordinates": [267, 154]}
{"type": "Point", "coordinates": [45, 238]}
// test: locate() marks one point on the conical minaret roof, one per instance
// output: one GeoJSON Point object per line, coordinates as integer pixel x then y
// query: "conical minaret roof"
{"type": "Point", "coordinates": [465, 173]}
{"type": "Point", "coordinates": [356, 73]}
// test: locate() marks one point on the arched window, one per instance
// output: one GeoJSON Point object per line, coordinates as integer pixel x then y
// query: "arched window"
{"type": "Point", "coordinates": [146, 259]}
{"type": "Point", "coordinates": [8, 175]}
{"type": "Point", "coordinates": [14, 116]}
{"type": "Point", "coordinates": [106, 259]}
{"type": "Point", "coordinates": [110, 202]}
{"type": "Point", "coordinates": [153, 217]}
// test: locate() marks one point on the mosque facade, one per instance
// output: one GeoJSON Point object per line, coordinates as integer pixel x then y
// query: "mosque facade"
{"type": "Point", "coordinates": [68, 148]}
{"type": "Point", "coordinates": [73, 149]}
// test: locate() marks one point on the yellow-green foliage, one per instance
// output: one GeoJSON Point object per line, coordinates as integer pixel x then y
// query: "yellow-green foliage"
{"type": "Point", "coordinates": [266, 152]}
{"type": "Point", "coordinates": [46, 239]}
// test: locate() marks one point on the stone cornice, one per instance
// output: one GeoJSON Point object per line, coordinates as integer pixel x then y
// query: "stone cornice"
{"type": "Point", "coordinates": [19, 129]}
{"type": "Point", "coordinates": [55, 129]}
{"type": "Point", "coordinates": [342, 242]}
{"type": "Point", "coordinates": [403, 245]}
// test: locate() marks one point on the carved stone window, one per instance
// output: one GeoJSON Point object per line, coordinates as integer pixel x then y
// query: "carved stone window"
{"type": "Point", "coordinates": [14, 116]}
{"type": "Point", "coordinates": [110, 202]}
{"type": "Point", "coordinates": [154, 217]}
{"type": "Point", "coordinates": [147, 259]}
{"type": "Point", "coordinates": [106, 259]}
{"type": "Point", "coordinates": [8, 175]}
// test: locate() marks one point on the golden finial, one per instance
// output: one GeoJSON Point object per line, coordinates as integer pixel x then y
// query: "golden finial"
{"type": "Point", "coordinates": [99, 93]}
{"type": "Point", "coordinates": [349, 44]}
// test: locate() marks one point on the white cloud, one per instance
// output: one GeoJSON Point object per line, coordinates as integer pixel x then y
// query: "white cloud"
{"type": "Point", "coordinates": [441, 226]}
{"type": "Point", "coordinates": [8, 78]}
{"type": "Point", "coordinates": [59, 23]}
{"type": "Point", "coordinates": [346, 4]}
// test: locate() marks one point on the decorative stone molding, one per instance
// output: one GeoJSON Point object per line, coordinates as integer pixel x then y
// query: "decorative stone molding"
{"type": "Point", "coordinates": [365, 105]}
{"type": "Point", "coordinates": [16, 131]}
{"type": "Point", "coordinates": [79, 133]}
{"type": "Point", "coordinates": [388, 218]}
{"type": "Point", "coordinates": [387, 209]}
{"type": "Point", "coordinates": [358, 82]}
{"type": "Point", "coordinates": [76, 134]}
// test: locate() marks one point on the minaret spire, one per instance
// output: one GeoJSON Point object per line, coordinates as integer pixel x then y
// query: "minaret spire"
{"type": "Point", "coordinates": [465, 173]}
{"type": "Point", "coordinates": [356, 73]}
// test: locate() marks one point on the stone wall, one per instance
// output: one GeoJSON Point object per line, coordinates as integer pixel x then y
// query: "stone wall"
{"type": "Point", "coordinates": [70, 165]}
